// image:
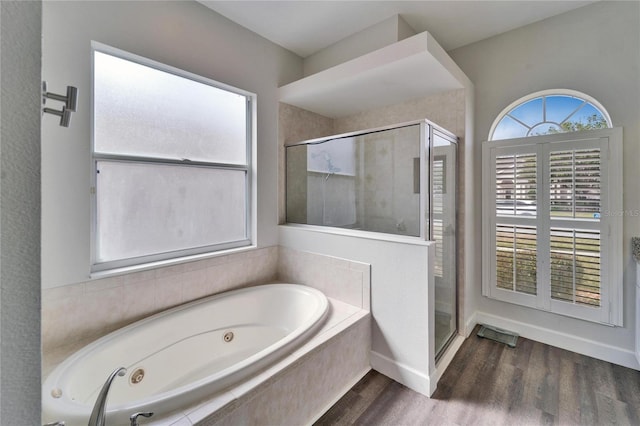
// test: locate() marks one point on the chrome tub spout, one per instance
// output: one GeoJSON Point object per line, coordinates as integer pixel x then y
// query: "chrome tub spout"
{"type": "Point", "coordinates": [99, 409]}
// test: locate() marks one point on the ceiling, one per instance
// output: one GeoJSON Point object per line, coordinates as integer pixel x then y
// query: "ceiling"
{"type": "Point", "coordinates": [305, 27]}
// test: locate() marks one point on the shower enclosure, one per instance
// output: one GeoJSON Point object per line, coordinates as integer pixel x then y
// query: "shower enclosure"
{"type": "Point", "coordinates": [395, 180]}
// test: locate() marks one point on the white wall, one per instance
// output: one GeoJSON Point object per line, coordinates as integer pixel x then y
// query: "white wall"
{"type": "Point", "coordinates": [402, 304]}
{"type": "Point", "coordinates": [20, 212]}
{"type": "Point", "coordinates": [375, 37]}
{"type": "Point", "coordinates": [185, 35]}
{"type": "Point", "coordinates": [595, 50]}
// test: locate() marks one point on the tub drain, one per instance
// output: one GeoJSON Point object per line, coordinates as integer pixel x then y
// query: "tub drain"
{"type": "Point", "coordinates": [136, 376]}
{"type": "Point", "coordinates": [228, 336]}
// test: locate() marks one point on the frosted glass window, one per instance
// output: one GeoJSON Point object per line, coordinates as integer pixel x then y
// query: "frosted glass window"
{"type": "Point", "coordinates": [143, 111]}
{"type": "Point", "coordinates": [172, 162]}
{"type": "Point", "coordinates": [160, 208]}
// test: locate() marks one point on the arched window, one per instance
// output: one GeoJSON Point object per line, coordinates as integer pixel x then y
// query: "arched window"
{"type": "Point", "coordinates": [552, 207]}
{"type": "Point", "coordinates": [549, 112]}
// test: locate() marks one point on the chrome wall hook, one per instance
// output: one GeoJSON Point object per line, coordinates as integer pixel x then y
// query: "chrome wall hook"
{"type": "Point", "coordinates": [70, 103]}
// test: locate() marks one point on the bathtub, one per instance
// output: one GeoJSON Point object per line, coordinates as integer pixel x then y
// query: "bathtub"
{"type": "Point", "coordinates": [184, 355]}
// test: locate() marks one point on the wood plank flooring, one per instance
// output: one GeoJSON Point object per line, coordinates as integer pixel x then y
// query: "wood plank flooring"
{"type": "Point", "coordinates": [488, 383]}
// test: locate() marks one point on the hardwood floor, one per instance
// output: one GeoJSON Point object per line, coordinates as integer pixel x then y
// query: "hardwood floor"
{"type": "Point", "coordinates": [488, 383]}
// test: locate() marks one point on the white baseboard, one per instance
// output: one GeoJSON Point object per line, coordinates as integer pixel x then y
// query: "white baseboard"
{"type": "Point", "coordinates": [410, 377]}
{"type": "Point", "coordinates": [469, 325]}
{"type": "Point", "coordinates": [591, 348]}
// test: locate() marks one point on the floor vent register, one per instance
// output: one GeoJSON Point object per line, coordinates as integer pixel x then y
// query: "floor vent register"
{"type": "Point", "coordinates": [503, 336]}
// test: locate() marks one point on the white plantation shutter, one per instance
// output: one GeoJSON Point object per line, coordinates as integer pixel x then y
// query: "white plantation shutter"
{"type": "Point", "coordinates": [515, 207]}
{"type": "Point", "coordinates": [574, 187]}
{"type": "Point", "coordinates": [516, 184]}
{"type": "Point", "coordinates": [513, 225]}
{"type": "Point", "coordinates": [516, 258]}
{"type": "Point", "coordinates": [551, 238]}
{"type": "Point", "coordinates": [574, 179]}
{"type": "Point", "coordinates": [575, 266]}
{"type": "Point", "coordinates": [438, 178]}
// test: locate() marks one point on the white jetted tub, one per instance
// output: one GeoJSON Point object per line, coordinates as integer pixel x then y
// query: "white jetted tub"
{"type": "Point", "coordinates": [182, 355]}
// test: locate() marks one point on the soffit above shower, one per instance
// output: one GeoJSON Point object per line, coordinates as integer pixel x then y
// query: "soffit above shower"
{"type": "Point", "coordinates": [413, 68]}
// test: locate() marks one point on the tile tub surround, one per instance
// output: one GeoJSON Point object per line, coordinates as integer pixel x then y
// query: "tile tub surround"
{"type": "Point", "coordinates": [78, 313]}
{"type": "Point", "coordinates": [341, 279]}
{"type": "Point", "coordinates": [297, 389]}
{"type": "Point", "coordinates": [75, 315]}
{"type": "Point", "coordinates": [302, 386]}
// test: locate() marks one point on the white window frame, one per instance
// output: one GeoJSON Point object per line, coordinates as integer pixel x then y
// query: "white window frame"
{"type": "Point", "coordinates": [167, 258]}
{"type": "Point", "coordinates": [610, 143]}
{"type": "Point", "coordinates": [544, 93]}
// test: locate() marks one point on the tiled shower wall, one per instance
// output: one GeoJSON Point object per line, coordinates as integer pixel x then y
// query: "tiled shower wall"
{"type": "Point", "coordinates": [445, 109]}
{"type": "Point", "coordinates": [296, 125]}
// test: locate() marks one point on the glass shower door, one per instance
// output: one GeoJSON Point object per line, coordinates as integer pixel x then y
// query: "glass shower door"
{"type": "Point", "coordinates": [443, 232]}
{"type": "Point", "coordinates": [368, 181]}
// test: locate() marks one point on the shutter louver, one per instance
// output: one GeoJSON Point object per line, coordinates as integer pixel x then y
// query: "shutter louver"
{"type": "Point", "coordinates": [516, 184]}
{"type": "Point", "coordinates": [516, 267]}
{"type": "Point", "coordinates": [574, 183]}
{"type": "Point", "coordinates": [438, 191]}
{"type": "Point", "coordinates": [575, 266]}
{"type": "Point", "coordinates": [574, 188]}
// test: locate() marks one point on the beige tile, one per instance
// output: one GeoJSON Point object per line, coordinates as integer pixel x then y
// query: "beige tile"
{"type": "Point", "coordinates": [340, 278]}
{"type": "Point", "coordinates": [134, 277]}
{"type": "Point", "coordinates": [139, 300]}
{"type": "Point", "coordinates": [336, 262]}
{"type": "Point", "coordinates": [179, 420]}
{"type": "Point", "coordinates": [62, 321]}
{"type": "Point", "coordinates": [366, 289]}
{"type": "Point", "coordinates": [359, 266]}
{"type": "Point", "coordinates": [90, 309]}
{"type": "Point", "coordinates": [204, 263]}
{"type": "Point", "coordinates": [236, 417]}
{"type": "Point", "coordinates": [280, 393]}
{"type": "Point", "coordinates": [168, 293]}
{"type": "Point", "coordinates": [103, 310]}
{"type": "Point", "coordinates": [217, 279]}
{"type": "Point", "coordinates": [306, 389]}
{"type": "Point", "coordinates": [211, 411]}
{"type": "Point", "coordinates": [261, 269]}
{"type": "Point", "coordinates": [349, 287]}
{"type": "Point", "coordinates": [104, 283]}
{"type": "Point", "coordinates": [338, 312]}
{"type": "Point", "coordinates": [55, 356]}
{"type": "Point", "coordinates": [194, 284]}
{"type": "Point", "coordinates": [217, 260]}
{"type": "Point", "coordinates": [64, 292]}
{"type": "Point", "coordinates": [235, 274]}
{"type": "Point", "coordinates": [168, 271]}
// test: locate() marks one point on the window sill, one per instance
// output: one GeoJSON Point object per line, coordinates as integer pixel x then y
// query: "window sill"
{"type": "Point", "coordinates": [169, 262]}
